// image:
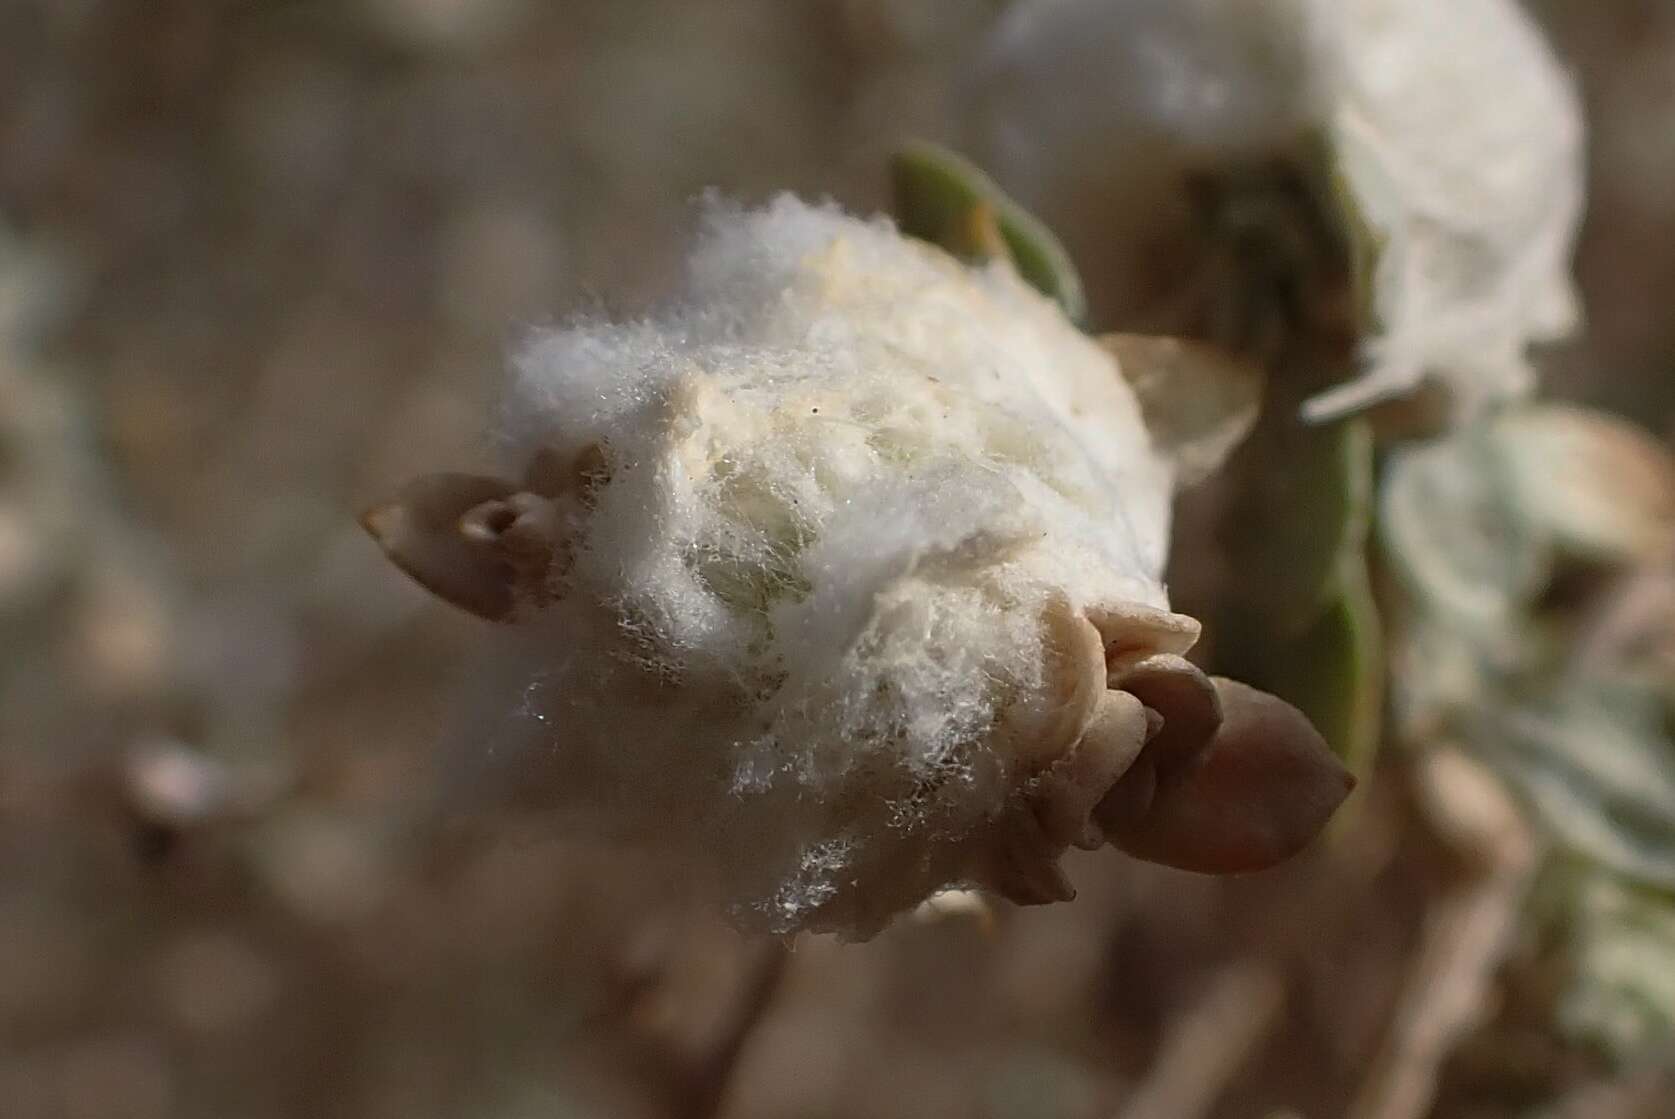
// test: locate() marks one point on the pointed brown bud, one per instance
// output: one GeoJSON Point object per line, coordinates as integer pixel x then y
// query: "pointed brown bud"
{"type": "Point", "coordinates": [1264, 787]}
{"type": "Point", "coordinates": [421, 531]}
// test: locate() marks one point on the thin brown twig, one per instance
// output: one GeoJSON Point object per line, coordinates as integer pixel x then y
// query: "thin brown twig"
{"type": "Point", "coordinates": [1209, 1042]}
{"type": "Point", "coordinates": [712, 1074]}
{"type": "Point", "coordinates": [1465, 939]}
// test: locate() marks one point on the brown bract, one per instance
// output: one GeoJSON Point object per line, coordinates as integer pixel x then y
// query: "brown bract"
{"type": "Point", "coordinates": [1251, 795]}
{"type": "Point", "coordinates": [1164, 762]}
{"type": "Point", "coordinates": [486, 545]}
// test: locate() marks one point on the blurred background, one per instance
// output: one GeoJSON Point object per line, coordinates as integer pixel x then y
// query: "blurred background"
{"type": "Point", "coordinates": [259, 262]}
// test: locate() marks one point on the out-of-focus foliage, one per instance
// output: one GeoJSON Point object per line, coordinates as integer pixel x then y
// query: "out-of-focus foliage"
{"type": "Point", "coordinates": [1611, 940]}
{"type": "Point", "coordinates": [1532, 562]}
{"type": "Point", "coordinates": [1512, 541]}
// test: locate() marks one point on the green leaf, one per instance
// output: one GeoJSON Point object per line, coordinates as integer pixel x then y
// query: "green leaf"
{"type": "Point", "coordinates": [1332, 669]}
{"type": "Point", "coordinates": [1299, 253]}
{"type": "Point", "coordinates": [943, 198]}
{"type": "Point", "coordinates": [1307, 506]}
{"type": "Point", "coordinates": [1303, 622]}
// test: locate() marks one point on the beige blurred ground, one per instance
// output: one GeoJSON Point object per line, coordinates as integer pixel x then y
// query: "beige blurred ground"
{"type": "Point", "coordinates": [261, 260]}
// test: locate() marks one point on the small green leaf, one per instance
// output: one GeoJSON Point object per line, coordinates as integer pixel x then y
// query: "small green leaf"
{"type": "Point", "coordinates": [1334, 671]}
{"type": "Point", "coordinates": [943, 198]}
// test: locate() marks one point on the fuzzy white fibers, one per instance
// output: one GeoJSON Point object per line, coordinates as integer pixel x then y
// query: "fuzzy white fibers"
{"type": "Point", "coordinates": [808, 625]}
{"type": "Point", "coordinates": [1465, 142]}
{"type": "Point", "coordinates": [1460, 132]}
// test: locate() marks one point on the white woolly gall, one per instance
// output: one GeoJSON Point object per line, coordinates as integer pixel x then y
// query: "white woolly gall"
{"type": "Point", "coordinates": [1458, 131]}
{"type": "Point", "coordinates": [851, 485]}
{"type": "Point", "coordinates": [830, 578]}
